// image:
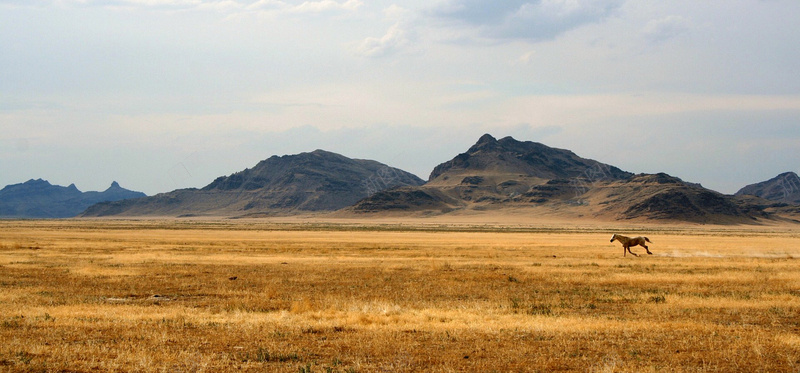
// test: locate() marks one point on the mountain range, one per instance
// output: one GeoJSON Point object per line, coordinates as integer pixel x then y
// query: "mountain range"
{"type": "Point", "coordinates": [40, 199]}
{"type": "Point", "coordinates": [492, 175]}
{"type": "Point", "coordinates": [501, 174]}
{"type": "Point", "coordinates": [290, 184]}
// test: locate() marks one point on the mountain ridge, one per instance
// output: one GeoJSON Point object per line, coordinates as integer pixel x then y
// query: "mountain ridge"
{"type": "Point", "coordinates": [316, 181]}
{"type": "Point", "coordinates": [499, 174]}
{"type": "Point", "coordinates": [37, 198]}
{"type": "Point", "coordinates": [784, 188]}
{"type": "Point", "coordinates": [492, 175]}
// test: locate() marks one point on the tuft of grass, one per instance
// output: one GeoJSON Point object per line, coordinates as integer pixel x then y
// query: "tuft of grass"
{"type": "Point", "coordinates": [46, 317]}
{"type": "Point", "coordinates": [25, 357]}
{"type": "Point", "coordinates": [657, 299]}
{"type": "Point", "coordinates": [13, 322]}
{"type": "Point", "coordinates": [540, 309]}
{"type": "Point", "coordinates": [263, 355]}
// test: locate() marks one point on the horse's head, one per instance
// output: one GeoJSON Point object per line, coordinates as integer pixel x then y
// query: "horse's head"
{"type": "Point", "coordinates": [614, 237]}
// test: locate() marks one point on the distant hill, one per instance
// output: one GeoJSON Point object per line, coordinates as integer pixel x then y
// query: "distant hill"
{"type": "Point", "coordinates": [507, 156]}
{"type": "Point", "coordinates": [664, 197]}
{"type": "Point", "coordinates": [783, 188]}
{"type": "Point", "coordinates": [494, 173]}
{"type": "Point", "coordinates": [40, 199]}
{"type": "Point", "coordinates": [510, 174]}
{"type": "Point", "coordinates": [505, 175]}
{"type": "Point", "coordinates": [305, 182]}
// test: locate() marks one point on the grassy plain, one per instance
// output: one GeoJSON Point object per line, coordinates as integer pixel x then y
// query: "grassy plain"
{"type": "Point", "coordinates": [256, 296]}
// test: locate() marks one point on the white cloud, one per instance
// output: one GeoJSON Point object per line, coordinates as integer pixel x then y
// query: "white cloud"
{"type": "Point", "coordinates": [523, 19]}
{"type": "Point", "coordinates": [394, 40]}
{"type": "Point", "coordinates": [262, 7]}
{"type": "Point", "coordinates": [158, 3]}
{"type": "Point", "coordinates": [325, 6]}
{"type": "Point", "coordinates": [396, 12]}
{"type": "Point", "coordinates": [146, 4]}
{"type": "Point", "coordinates": [524, 59]}
{"type": "Point", "coordinates": [663, 29]}
{"type": "Point", "coordinates": [227, 6]}
{"type": "Point", "coordinates": [401, 36]}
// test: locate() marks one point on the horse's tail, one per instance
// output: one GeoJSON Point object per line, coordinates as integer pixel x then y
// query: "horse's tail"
{"type": "Point", "coordinates": [647, 239]}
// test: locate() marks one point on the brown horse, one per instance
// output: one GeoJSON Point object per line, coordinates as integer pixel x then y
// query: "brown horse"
{"type": "Point", "coordinates": [627, 242]}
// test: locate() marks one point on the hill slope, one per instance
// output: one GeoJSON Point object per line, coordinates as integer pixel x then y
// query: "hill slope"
{"type": "Point", "coordinates": [315, 181]}
{"type": "Point", "coordinates": [664, 197]}
{"type": "Point", "coordinates": [783, 188]}
{"type": "Point", "coordinates": [40, 199]}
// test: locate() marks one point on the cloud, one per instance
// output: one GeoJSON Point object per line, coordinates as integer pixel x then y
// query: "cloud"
{"type": "Point", "coordinates": [145, 4]}
{"type": "Point", "coordinates": [325, 6]}
{"type": "Point", "coordinates": [524, 59]}
{"type": "Point", "coordinates": [225, 6]}
{"type": "Point", "coordinates": [393, 41]}
{"type": "Point", "coordinates": [263, 7]}
{"type": "Point", "coordinates": [395, 11]}
{"type": "Point", "coordinates": [663, 29]}
{"type": "Point", "coordinates": [523, 19]}
{"type": "Point", "coordinates": [398, 38]}
{"type": "Point", "coordinates": [158, 3]}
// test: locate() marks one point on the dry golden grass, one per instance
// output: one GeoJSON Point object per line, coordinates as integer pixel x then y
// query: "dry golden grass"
{"type": "Point", "coordinates": [255, 296]}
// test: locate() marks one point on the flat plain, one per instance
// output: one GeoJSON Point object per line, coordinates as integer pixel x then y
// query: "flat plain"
{"type": "Point", "coordinates": [182, 295]}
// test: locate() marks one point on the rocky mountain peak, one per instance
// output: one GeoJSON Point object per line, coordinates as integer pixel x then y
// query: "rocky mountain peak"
{"type": "Point", "coordinates": [485, 142]}
{"type": "Point", "coordinates": [527, 158]}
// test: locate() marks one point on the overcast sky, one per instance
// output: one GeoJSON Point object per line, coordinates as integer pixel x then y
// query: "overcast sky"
{"type": "Point", "coordinates": [167, 94]}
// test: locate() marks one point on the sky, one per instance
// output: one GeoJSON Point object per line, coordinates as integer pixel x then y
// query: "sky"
{"type": "Point", "coordinates": [167, 94]}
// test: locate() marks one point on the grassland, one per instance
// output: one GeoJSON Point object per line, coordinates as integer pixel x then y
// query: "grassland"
{"type": "Point", "coordinates": [253, 296]}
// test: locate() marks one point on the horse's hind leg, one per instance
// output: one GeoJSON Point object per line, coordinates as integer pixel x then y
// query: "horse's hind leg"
{"type": "Point", "coordinates": [648, 250]}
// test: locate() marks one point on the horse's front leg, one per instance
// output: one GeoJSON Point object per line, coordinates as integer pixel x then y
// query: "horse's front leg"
{"type": "Point", "coordinates": [632, 253]}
